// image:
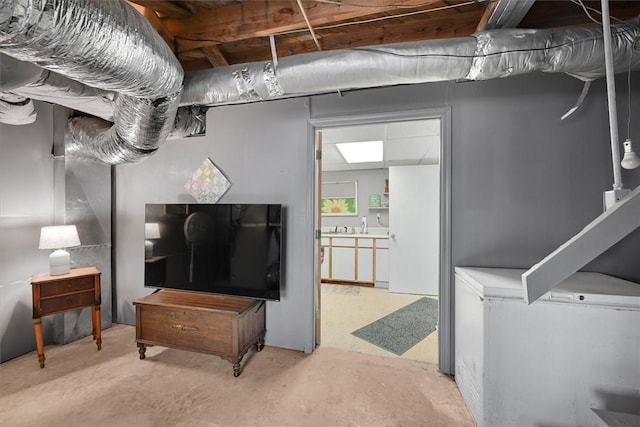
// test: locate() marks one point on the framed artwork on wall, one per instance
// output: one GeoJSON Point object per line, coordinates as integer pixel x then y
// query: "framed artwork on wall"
{"type": "Point", "coordinates": [339, 198]}
{"type": "Point", "coordinates": [339, 206]}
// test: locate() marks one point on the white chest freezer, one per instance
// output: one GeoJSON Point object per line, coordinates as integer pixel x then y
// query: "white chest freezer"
{"type": "Point", "coordinates": [548, 363]}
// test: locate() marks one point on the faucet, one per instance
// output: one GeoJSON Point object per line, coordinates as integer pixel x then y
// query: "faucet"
{"type": "Point", "coordinates": [363, 228]}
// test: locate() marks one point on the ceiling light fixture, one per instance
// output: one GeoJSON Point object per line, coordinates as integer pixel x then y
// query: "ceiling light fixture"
{"type": "Point", "coordinates": [361, 152]}
{"type": "Point", "coordinates": [630, 159]}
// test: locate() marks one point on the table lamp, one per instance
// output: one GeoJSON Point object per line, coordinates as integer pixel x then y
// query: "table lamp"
{"type": "Point", "coordinates": [151, 231]}
{"type": "Point", "coordinates": [59, 237]}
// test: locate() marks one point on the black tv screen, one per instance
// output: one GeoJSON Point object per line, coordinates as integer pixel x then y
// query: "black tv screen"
{"type": "Point", "coordinates": [227, 249]}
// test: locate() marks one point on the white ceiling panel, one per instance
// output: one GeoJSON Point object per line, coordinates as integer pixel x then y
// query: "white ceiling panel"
{"type": "Point", "coordinates": [413, 128]}
{"type": "Point", "coordinates": [405, 143]}
{"type": "Point", "coordinates": [353, 133]}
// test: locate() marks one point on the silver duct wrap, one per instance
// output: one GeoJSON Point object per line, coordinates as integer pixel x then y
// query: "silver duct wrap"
{"type": "Point", "coordinates": [190, 121]}
{"type": "Point", "coordinates": [26, 80]}
{"type": "Point", "coordinates": [106, 44]}
{"type": "Point", "coordinates": [20, 80]}
{"type": "Point", "coordinates": [16, 110]}
{"type": "Point", "coordinates": [129, 137]}
{"type": "Point", "coordinates": [109, 46]}
{"type": "Point", "coordinates": [575, 51]}
{"type": "Point", "coordinates": [486, 55]}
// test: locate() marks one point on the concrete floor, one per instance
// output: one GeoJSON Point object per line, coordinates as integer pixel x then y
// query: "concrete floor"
{"type": "Point", "coordinates": [346, 308]}
{"type": "Point", "coordinates": [331, 387]}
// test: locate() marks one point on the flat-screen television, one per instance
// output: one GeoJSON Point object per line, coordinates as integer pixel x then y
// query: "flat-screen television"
{"type": "Point", "coordinates": [226, 249]}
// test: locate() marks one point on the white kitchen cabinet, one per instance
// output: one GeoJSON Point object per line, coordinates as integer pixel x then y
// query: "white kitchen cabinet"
{"type": "Point", "coordinates": [343, 263]}
{"type": "Point", "coordinates": [365, 264]}
{"type": "Point", "coordinates": [324, 268]}
{"type": "Point", "coordinates": [355, 259]}
{"type": "Point", "coordinates": [382, 266]}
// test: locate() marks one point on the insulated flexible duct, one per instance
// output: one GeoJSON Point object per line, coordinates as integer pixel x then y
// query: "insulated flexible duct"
{"type": "Point", "coordinates": [109, 46]}
{"type": "Point", "coordinates": [30, 81]}
{"type": "Point", "coordinates": [16, 110]}
{"type": "Point", "coordinates": [483, 56]}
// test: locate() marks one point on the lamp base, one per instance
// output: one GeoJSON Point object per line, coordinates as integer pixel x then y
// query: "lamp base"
{"type": "Point", "coordinates": [59, 262]}
{"type": "Point", "coordinates": [148, 249]}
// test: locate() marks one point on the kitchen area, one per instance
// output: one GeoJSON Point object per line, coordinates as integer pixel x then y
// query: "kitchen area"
{"type": "Point", "coordinates": [356, 244]}
{"type": "Point", "coordinates": [380, 205]}
{"type": "Point", "coordinates": [376, 278]}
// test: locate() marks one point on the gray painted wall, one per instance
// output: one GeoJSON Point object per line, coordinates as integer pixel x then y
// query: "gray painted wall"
{"type": "Point", "coordinates": [38, 190]}
{"type": "Point", "coordinates": [87, 204]}
{"type": "Point", "coordinates": [523, 181]}
{"type": "Point", "coordinates": [264, 151]}
{"type": "Point", "coordinates": [26, 204]}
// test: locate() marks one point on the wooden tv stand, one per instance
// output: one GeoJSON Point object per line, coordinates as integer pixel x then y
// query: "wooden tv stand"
{"type": "Point", "coordinates": [219, 325]}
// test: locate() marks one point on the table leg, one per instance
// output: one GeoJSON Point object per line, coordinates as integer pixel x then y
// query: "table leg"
{"type": "Point", "coordinates": [141, 350]}
{"type": "Point", "coordinates": [97, 326]}
{"type": "Point", "coordinates": [37, 326]}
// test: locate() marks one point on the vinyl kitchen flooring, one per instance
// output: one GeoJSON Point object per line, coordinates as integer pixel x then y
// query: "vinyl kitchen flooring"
{"type": "Point", "coordinates": [346, 308]}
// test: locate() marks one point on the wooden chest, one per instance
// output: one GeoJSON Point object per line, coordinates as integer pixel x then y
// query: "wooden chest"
{"type": "Point", "coordinates": [219, 325]}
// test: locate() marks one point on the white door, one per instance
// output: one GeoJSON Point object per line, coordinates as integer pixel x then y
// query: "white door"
{"type": "Point", "coordinates": [414, 229]}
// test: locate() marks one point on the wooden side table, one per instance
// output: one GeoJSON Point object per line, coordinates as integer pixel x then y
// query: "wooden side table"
{"type": "Point", "coordinates": [65, 292]}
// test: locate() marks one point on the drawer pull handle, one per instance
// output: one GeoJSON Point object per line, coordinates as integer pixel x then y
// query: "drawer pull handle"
{"type": "Point", "coordinates": [69, 301]}
{"type": "Point", "coordinates": [185, 327]}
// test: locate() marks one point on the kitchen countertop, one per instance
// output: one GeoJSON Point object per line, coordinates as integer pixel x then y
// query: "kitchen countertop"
{"type": "Point", "coordinates": [360, 235]}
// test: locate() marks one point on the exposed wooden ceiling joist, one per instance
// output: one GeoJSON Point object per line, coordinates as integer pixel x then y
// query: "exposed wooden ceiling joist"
{"type": "Point", "coordinates": [165, 7]}
{"type": "Point", "coordinates": [213, 33]}
{"type": "Point", "coordinates": [214, 56]}
{"type": "Point", "coordinates": [156, 23]}
{"type": "Point", "coordinates": [261, 19]}
{"type": "Point", "coordinates": [508, 13]}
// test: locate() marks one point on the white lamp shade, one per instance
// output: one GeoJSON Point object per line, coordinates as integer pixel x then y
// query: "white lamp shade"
{"type": "Point", "coordinates": [151, 230]}
{"type": "Point", "coordinates": [59, 236]}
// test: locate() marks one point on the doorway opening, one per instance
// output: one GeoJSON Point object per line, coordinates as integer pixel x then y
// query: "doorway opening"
{"type": "Point", "coordinates": [381, 286]}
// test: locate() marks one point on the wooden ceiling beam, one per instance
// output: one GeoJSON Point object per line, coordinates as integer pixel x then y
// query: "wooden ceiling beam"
{"type": "Point", "coordinates": [156, 23]}
{"type": "Point", "coordinates": [506, 14]}
{"type": "Point", "coordinates": [164, 7]}
{"type": "Point", "coordinates": [215, 57]}
{"type": "Point", "coordinates": [488, 11]}
{"type": "Point", "coordinates": [261, 19]}
{"type": "Point", "coordinates": [568, 14]}
{"type": "Point", "coordinates": [459, 25]}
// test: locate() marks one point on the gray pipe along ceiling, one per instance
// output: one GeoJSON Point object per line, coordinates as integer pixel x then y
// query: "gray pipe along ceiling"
{"type": "Point", "coordinates": [120, 71]}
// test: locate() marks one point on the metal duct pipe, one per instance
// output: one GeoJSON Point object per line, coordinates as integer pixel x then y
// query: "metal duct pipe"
{"type": "Point", "coordinates": [16, 110]}
{"type": "Point", "coordinates": [92, 138]}
{"type": "Point", "coordinates": [109, 46]}
{"type": "Point", "coordinates": [26, 80]}
{"type": "Point", "coordinates": [486, 55]}
{"type": "Point", "coordinates": [190, 121]}
{"type": "Point", "coordinates": [21, 80]}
